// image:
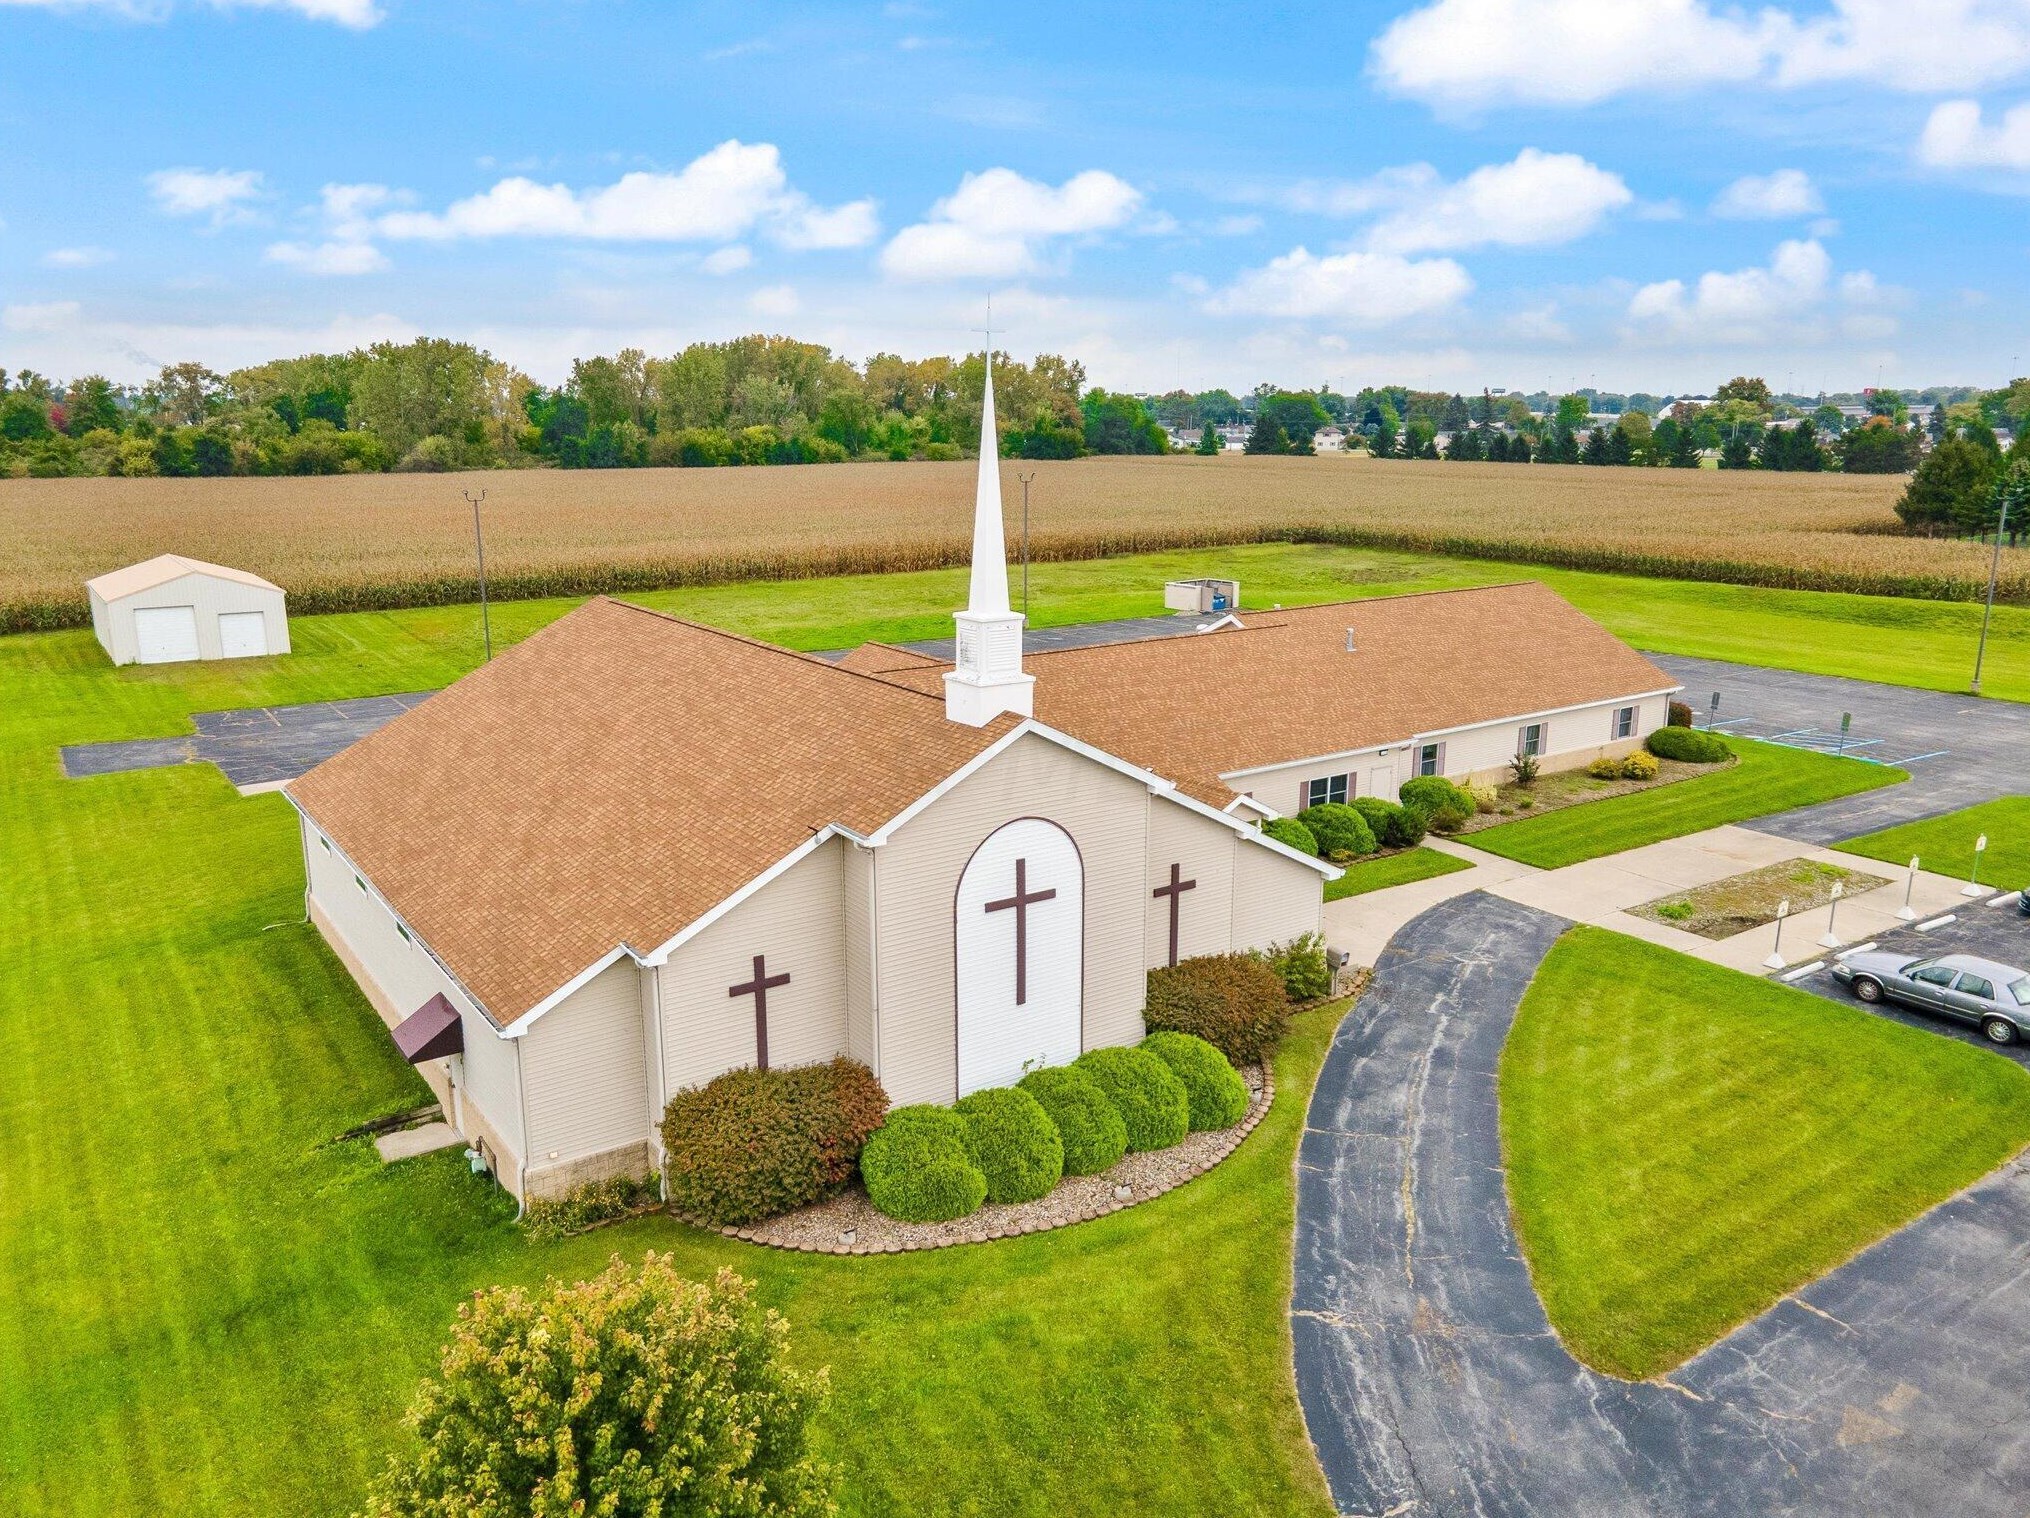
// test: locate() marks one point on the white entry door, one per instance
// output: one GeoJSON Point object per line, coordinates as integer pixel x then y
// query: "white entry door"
{"type": "Point", "coordinates": [242, 634]}
{"type": "Point", "coordinates": [1021, 954]}
{"type": "Point", "coordinates": [1381, 781]}
{"type": "Point", "coordinates": [165, 634]}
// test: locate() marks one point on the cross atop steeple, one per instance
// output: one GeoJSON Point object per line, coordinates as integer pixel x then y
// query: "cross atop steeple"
{"type": "Point", "coordinates": [986, 678]}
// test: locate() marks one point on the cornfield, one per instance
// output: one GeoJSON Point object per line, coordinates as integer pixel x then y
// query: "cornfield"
{"type": "Point", "coordinates": [357, 542]}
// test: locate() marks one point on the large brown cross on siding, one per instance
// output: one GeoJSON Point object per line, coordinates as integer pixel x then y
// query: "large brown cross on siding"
{"type": "Point", "coordinates": [1175, 891]}
{"type": "Point", "coordinates": [1021, 901]}
{"type": "Point", "coordinates": [758, 988]}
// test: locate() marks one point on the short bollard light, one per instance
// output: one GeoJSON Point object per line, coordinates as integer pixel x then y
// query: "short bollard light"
{"type": "Point", "coordinates": [1907, 912]}
{"type": "Point", "coordinates": [1829, 939]}
{"type": "Point", "coordinates": [1775, 960]}
{"type": "Point", "coordinates": [1973, 887]}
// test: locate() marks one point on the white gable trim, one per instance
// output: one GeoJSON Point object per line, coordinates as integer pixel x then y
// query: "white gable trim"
{"type": "Point", "coordinates": [576, 983]}
{"type": "Point", "coordinates": [661, 954]}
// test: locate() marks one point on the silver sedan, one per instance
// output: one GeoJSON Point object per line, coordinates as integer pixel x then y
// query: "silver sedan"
{"type": "Point", "coordinates": [1993, 995]}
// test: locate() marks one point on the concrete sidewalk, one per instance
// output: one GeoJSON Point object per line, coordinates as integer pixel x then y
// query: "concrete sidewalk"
{"type": "Point", "coordinates": [1602, 892]}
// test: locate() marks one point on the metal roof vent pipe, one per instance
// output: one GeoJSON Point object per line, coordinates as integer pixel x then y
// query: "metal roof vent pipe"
{"type": "Point", "coordinates": [1349, 640]}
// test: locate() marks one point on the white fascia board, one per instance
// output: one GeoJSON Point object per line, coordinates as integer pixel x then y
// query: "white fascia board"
{"type": "Point", "coordinates": [577, 982]}
{"type": "Point", "coordinates": [1311, 759]}
{"type": "Point", "coordinates": [1261, 808]}
{"type": "Point", "coordinates": [661, 953]}
{"type": "Point", "coordinates": [1554, 711]}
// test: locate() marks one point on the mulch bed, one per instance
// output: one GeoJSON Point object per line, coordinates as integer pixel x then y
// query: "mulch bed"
{"type": "Point", "coordinates": [849, 1224]}
{"type": "Point", "coordinates": [1558, 789]}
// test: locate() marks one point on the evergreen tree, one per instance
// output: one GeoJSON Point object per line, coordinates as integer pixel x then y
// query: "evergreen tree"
{"type": "Point", "coordinates": [1684, 449]}
{"type": "Point", "coordinates": [1620, 446]}
{"type": "Point", "coordinates": [1455, 419]}
{"type": "Point", "coordinates": [1209, 443]}
{"type": "Point", "coordinates": [1384, 444]}
{"type": "Point", "coordinates": [1736, 453]}
{"type": "Point", "coordinates": [1267, 436]}
{"type": "Point", "coordinates": [1951, 489]}
{"type": "Point", "coordinates": [1497, 448]}
{"type": "Point", "coordinates": [1595, 450]}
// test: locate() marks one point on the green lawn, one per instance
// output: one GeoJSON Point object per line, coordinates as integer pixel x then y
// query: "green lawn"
{"type": "Point", "coordinates": [1367, 875]}
{"type": "Point", "coordinates": [1769, 778]}
{"type": "Point", "coordinates": [210, 1310]}
{"type": "Point", "coordinates": [1946, 844]}
{"type": "Point", "coordinates": [1685, 1144]}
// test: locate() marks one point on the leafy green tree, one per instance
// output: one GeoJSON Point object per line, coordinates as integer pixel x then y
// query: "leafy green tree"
{"type": "Point", "coordinates": [1950, 489]}
{"type": "Point", "coordinates": [23, 417]}
{"type": "Point", "coordinates": [1889, 403]}
{"type": "Point", "coordinates": [1879, 447]}
{"type": "Point", "coordinates": [185, 395]}
{"type": "Point", "coordinates": [91, 404]}
{"type": "Point", "coordinates": [1752, 392]}
{"type": "Point", "coordinates": [848, 418]}
{"type": "Point", "coordinates": [1639, 437]}
{"type": "Point", "coordinates": [1218, 406]}
{"type": "Point", "coordinates": [630, 1394]}
{"type": "Point", "coordinates": [1829, 420]}
{"type": "Point", "coordinates": [1118, 423]}
{"type": "Point", "coordinates": [1298, 413]}
{"type": "Point", "coordinates": [1572, 412]}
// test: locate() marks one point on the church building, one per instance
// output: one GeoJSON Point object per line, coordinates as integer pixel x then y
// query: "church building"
{"type": "Point", "coordinates": [634, 852]}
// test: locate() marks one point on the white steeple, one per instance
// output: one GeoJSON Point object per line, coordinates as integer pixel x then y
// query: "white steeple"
{"type": "Point", "coordinates": [987, 678]}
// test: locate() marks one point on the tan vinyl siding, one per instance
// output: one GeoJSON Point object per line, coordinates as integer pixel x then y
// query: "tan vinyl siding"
{"type": "Point", "coordinates": [798, 922]}
{"type": "Point", "coordinates": [1275, 899]}
{"type": "Point", "coordinates": [857, 870]}
{"type": "Point", "coordinates": [209, 596]}
{"type": "Point", "coordinates": [1205, 850]}
{"type": "Point", "coordinates": [398, 976]}
{"type": "Point", "coordinates": [1571, 739]}
{"type": "Point", "coordinates": [1105, 812]}
{"type": "Point", "coordinates": [585, 1080]}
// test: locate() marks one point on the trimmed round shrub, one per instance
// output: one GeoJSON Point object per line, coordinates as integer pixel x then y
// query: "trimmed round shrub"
{"type": "Point", "coordinates": [919, 1168]}
{"type": "Point", "coordinates": [1238, 1003]}
{"type": "Point", "coordinates": [1014, 1143]}
{"type": "Point", "coordinates": [1394, 827]}
{"type": "Point", "coordinates": [1338, 828]}
{"type": "Point", "coordinates": [1213, 1089]}
{"type": "Point", "coordinates": [1088, 1125]}
{"type": "Point", "coordinates": [755, 1143]}
{"type": "Point", "coordinates": [1606, 767]}
{"type": "Point", "coordinates": [1639, 766]}
{"type": "Point", "coordinates": [1678, 714]}
{"type": "Point", "coordinates": [1431, 794]}
{"type": "Point", "coordinates": [1289, 830]}
{"type": "Point", "coordinates": [1152, 1102]}
{"type": "Point", "coordinates": [1686, 743]}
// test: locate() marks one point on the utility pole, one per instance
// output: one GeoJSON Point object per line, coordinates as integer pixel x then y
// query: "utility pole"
{"type": "Point", "coordinates": [2004, 488]}
{"type": "Point", "coordinates": [479, 543]}
{"type": "Point", "coordinates": [1025, 479]}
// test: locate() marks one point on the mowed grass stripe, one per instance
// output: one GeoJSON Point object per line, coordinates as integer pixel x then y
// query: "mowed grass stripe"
{"type": "Point", "coordinates": [1766, 778]}
{"type": "Point", "coordinates": [1685, 1144]}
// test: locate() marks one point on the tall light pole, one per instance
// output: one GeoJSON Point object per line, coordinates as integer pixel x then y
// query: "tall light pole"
{"type": "Point", "coordinates": [2004, 488]}
{"type": "Point", "coordinates": [1025, 479]}
{"type": "Point", "coordinates": [479, 543]}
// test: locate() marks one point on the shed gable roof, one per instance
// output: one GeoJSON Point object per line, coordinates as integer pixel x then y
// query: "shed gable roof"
{"type": "Point", "coordinates": [163, 568]}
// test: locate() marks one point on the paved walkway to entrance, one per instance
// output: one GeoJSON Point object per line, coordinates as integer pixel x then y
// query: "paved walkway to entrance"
{"type": "Point", "coordinates": [1432, 1382]}
{"type": "Point", "coordinates": [1602, 891]}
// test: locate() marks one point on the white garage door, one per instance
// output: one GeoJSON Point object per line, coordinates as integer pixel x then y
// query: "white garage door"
{"type": "Point", "coordinates": [242, 634]}
{"type": "Point", "coordinates": [165, 634]}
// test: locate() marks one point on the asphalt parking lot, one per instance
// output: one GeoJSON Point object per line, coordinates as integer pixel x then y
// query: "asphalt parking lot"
{"type": "Point", "coordinates": [1993, 932]}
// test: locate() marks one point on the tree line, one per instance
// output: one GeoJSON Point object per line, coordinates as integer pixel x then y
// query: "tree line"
{"type": "Point", "coordinates": [434, 404]}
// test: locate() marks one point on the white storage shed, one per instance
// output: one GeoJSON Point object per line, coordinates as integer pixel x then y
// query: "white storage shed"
{"type": "Point", "coordinates": [171, 609]}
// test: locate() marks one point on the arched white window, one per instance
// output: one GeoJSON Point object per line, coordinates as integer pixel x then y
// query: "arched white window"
{"type": "Point", "coordinates": [1021, 954]}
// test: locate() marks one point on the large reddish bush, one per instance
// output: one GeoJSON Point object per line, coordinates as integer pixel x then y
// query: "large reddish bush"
{"type": "Point", "coordinates": [1235, 1002]}
{"type": "Point", "coordinates": [755, 1143]}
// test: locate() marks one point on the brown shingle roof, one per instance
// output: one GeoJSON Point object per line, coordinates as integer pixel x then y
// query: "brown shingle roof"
{"type": "Point", "coordinates": [1284, 688]}
{"type": "Point", "coordinates": [611, 779]}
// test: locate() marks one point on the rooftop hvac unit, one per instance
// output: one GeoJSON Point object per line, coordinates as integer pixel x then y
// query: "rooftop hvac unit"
{"type": "Point", "coordinates": [1201, 596]}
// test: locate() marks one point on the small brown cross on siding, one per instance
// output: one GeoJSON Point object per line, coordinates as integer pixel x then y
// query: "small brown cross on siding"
{"type": "Point", "coordinates": [1021, 901]}
{"type": "Point", "coordinates": [1175, 891]}
{"type": "Point", "coordinates": [758, 988]}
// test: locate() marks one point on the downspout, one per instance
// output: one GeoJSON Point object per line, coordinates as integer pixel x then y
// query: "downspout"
{"type": "Point", "coordinates": [522, 1122]}
{"type": "Point", "coordinates": [658, 1099]}
{"type": "Point", "coordinates": [874, 951]}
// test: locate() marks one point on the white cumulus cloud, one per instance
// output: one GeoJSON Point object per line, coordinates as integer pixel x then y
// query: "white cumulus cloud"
{"type": "Point", "coordinates": [724, 194]}
{"type": "Point", "coordinates": [1770, 197]}
{"type": "Point", "coordinates": [219, 194]}
{"type": "Point", "coordinates": [1350, 289]}
{"type": "Point", "coordinates": [48, 316]}
{"type": "Point", "coordinates": [347, 211]}
{"type": "Point", "coordinates": [730, 259]}
{"type": "Point", "coordinates": [76, 258]}
{"type": "Point", "coordinates": [1468, 53]}
{"type": "Point", "coordinates": [997, 225]}
{"type": "Point", "coordinates": [1536, 200]}
{"type": "Point", "coordinates": [1756, 304]}
{"type": "Point", "coordinates": [334, 257]}
{"type": "Point", "coordinates": [1957, 136]}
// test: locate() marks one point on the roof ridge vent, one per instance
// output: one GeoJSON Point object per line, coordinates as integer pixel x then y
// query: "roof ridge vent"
{"type": "Point", "coordinates": [1349, 640]}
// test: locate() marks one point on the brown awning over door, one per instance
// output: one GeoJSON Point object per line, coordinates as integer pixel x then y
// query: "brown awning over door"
{"type": "Point", "coordinates": [432, 1031]}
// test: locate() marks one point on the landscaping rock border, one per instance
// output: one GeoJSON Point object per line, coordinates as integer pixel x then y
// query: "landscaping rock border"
{"type": "Point", "coordinates": [849, 1224]}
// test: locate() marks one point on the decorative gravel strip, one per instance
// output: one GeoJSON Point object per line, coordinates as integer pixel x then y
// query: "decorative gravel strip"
{"type": "Point", "coordinates": [849, 1224]}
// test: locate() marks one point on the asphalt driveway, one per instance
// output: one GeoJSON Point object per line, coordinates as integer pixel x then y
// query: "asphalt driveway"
{"type": "Point", "coordinates": [1958, 749]}
{"type": "Point", "coordinates": [255, 745]}
{"type": "Point", "coordinates": [1432, 1382]}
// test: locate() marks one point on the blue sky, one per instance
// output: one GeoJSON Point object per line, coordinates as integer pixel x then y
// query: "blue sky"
{"type": "Point", "coordinates": [1638, 194]}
